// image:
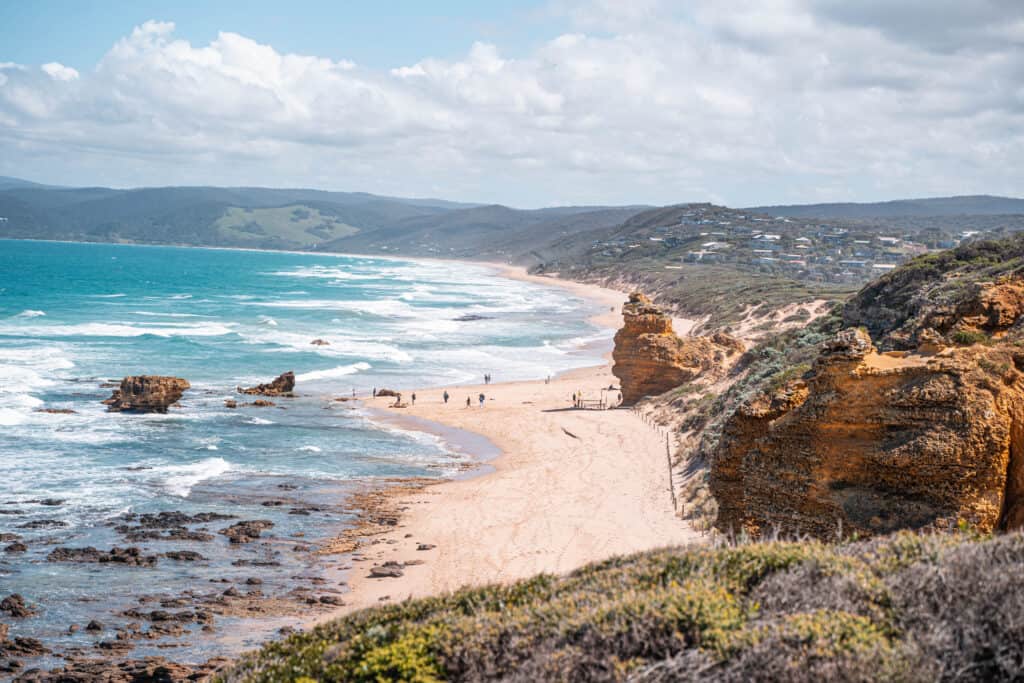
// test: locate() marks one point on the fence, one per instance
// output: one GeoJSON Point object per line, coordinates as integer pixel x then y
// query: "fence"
{"type": "Point", "coordinates": [668, 452]}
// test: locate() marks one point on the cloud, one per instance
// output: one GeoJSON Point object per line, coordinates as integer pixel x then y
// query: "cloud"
{"type": "Point", "coordinates": [750, 101]}
{"type": "Point", "coordinates": [59, 72]}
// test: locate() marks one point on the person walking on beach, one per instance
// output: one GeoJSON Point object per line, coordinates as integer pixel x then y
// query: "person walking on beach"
{"type": "Point", "coordinates": [468, 402]}
{"type": "Point", "coordinates": [414, 398]}
{"type": "Point", "coordinates": [446, 397]}
{"type": "Point", "coordinates": [574, 399]}
{"type": "Point", "coordinates": [375, 392]}
{"type": "Point", "coordinates": [482, 397]}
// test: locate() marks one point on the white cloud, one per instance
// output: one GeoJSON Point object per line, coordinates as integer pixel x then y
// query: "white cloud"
{"type": "Point", "coordinates": [773, 100]}
{"type": "Point", "coordinates": [59, 72]}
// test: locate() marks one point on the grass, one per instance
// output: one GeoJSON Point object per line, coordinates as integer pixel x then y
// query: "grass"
{"type": "Point", "coordinates": [904, 607]}
{"type": "Point", "coordinates": [299, 225]}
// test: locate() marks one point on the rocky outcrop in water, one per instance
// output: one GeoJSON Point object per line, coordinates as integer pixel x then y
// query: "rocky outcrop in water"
{"type": "Point", "coordinates": [131, 556]}
{"type": "Point", "coordinates": [650, 359]}
{"type": "Point", "coordinates": [871, 442]}
{"type": "Point", "coordinates": [146, 394]}
{"type": "Point", "coordinates": [283, 385]}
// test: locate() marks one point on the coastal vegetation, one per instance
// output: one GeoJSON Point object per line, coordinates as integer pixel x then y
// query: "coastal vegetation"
{"type": "Point", "coordinates": [904, 607]}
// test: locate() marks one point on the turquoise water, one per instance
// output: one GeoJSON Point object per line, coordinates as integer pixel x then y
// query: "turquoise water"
{"type": "Point", "coordinates": [74, 316]}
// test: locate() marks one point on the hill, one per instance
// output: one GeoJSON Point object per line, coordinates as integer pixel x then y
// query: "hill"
{"type": "Point", "coordinates": [299, 219]}
{"type": "Point", "coordinates": [975, 205]}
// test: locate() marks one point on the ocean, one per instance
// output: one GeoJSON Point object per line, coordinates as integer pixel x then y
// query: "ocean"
{"type": "Point", "coordinates": [76, 316]}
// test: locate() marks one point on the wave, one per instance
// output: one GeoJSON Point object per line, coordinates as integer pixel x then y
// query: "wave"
{"type": "Point", "coordinates": [259, 421]}
{"type": "Point", "coordinates": [121, 330]}
{"type": "Point", "coordinates": [106, 296]}
{"type": "Point", "coordinates": [386, 308]}
{"type": "Point", "coordinates": [178, 480]}
{"type": "Point", "coordinates": [267, 320]}
{"type": "Point", "coordinates": [325, 273]}
{"type": "Point", "coordinates": [156, 314]}
{"type": "Point", "coordinates": [29, 313]}
{"type": "Point", "coordinates": [340, 347]}
{"type": "Point", "coordinates": [340, 371]}
{"type": "Point", "coordinates": [311, 449]}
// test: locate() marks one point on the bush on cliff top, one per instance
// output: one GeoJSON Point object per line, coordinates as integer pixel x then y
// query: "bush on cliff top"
{"type": "Point", "coordinates": [903, 607]}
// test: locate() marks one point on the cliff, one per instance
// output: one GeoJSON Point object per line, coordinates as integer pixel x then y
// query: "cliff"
{"type": "Point", "coordinates": [869, 442]}
{"type": "Point", "coordinates": [146, 394]}
{"type": "Point", "coordinates": [650, 359]}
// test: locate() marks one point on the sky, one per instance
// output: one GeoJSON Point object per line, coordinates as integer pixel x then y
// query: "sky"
{"type": "Point", "coordinates": [533, 103]}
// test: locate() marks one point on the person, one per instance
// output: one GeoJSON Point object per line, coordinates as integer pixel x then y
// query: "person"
{"type": "Point", "coordinates": [574, 399]}
{"type": "Point", "coordinates": [414, 398]}
{"type": "Point", "coordinates": [482, 400]}
{"type": "Point", "coordinates": [468, 402]}
{"type": "Point", "coordinates": [375, 392]}
{"type": "Point", "coordinates": [446, 396]}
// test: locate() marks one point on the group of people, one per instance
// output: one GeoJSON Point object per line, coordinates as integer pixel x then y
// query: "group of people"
{"type": "Point", "coordinates": [487, 378]}
{"type": "Point", "coordinates": [446, 396]}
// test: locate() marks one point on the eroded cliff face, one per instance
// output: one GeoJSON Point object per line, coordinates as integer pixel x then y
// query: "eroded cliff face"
{"type": "Point", "coordinates": [650, 359]}
{"type": "Point", "coordinates": [146, 394]}
{"type": "Point", "coordinates": [870, 442]}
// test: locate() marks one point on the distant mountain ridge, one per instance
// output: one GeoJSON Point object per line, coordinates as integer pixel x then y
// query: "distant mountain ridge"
{"type": "Point", "coordinates": [360, 222]}
{"type": "Point", "coordinates": [970, 205]}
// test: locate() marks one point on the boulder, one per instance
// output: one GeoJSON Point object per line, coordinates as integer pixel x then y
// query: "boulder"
{"type": "Point", "coordinates": [16, 606]}
{"type": "Point", "coordinates": [283, 385]}
{"type": "Point", "coordinates": [320, 342]}
{"type": "Point", "coordinates": [244, 532]}
{"type": "Point", "coordinates": [650, 359]}
{"type": "Point", "coordinates": [146, 394]}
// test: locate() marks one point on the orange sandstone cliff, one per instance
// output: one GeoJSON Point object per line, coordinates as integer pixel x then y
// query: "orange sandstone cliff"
{"type": "Point", "coordinates": [650, 359]}
{"type": "Point", "coordinates": [926, 437]}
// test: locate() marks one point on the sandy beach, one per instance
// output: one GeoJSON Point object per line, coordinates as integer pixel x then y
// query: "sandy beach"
{"type": "Point", "coordinates": [569, 487]}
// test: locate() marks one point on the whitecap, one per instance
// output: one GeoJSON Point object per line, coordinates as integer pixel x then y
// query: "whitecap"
{"type": "Point", "coordinates": [339, 371]}
{"type": "Point", "coordinates": [258, 421]}
{"type": "Point", "coordinates": [122, 330]}
{"type": "Point", "coordinates": [267, 320]}
{"type": "Point", "coordinates": [29, 313]}
{"type": "Point", "coordinates": [311, 449]}
{"type": "Point", "coordinates": [179, 479]}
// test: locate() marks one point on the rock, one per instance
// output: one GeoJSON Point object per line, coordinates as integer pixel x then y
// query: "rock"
{"type": "Point", "coordinates": [331, 600]}
{"type": "Point", "coordinates": [131, 556]}
{"type": "Point", "coordinates": [283, 385]}
{"type": "Point", "coordinates": [470, 317]}
{"type": "Point", "coordinates": [16, 547]}
{"type": "Point", "coordinates": [254, 581]}
{"type": "Point", "coordinates": [6, 538]}
{"type": "Point", "coordinates": [244, 532]}
{"type": "Point", "coordinates": [387, 392]}
{"type": "Point", "coordinates": [320, 342]}
{"type": "Point", "coordinates": [387, 570]}
{"type": "Point", "coordinates": [49, 502]}
{"type": "Point", "coordinates": [184, 556]}
{"type": "Point", "coordinates": [870, 443]}
{"type": "Point", "coordinates": [23, 647]}
{"type": "Point", "coordinates": [44, 524]}
{"type": "Point", "coordinates": [56, 411]}
{"type": "Point", "coordinates": [263, 404]}
{"type": "Point", "coordinates": [425, 546]}
{"type": "Point", "coordinates": [650, 359]}
{"type": "Point", "coordinates": [230, 403]}
{"type": "Point", "coordinates": [94, 626]}
{"type": "Point", "coordinates": [16, 606]}
{"type": "Point", "coordinates": [73, 628]}
{"type": "Point", "coordinates": [146, 394]}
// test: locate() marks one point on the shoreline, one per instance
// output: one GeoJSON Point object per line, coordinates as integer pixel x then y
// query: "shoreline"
{"type": "Point", "coordinates": [553, 499]}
